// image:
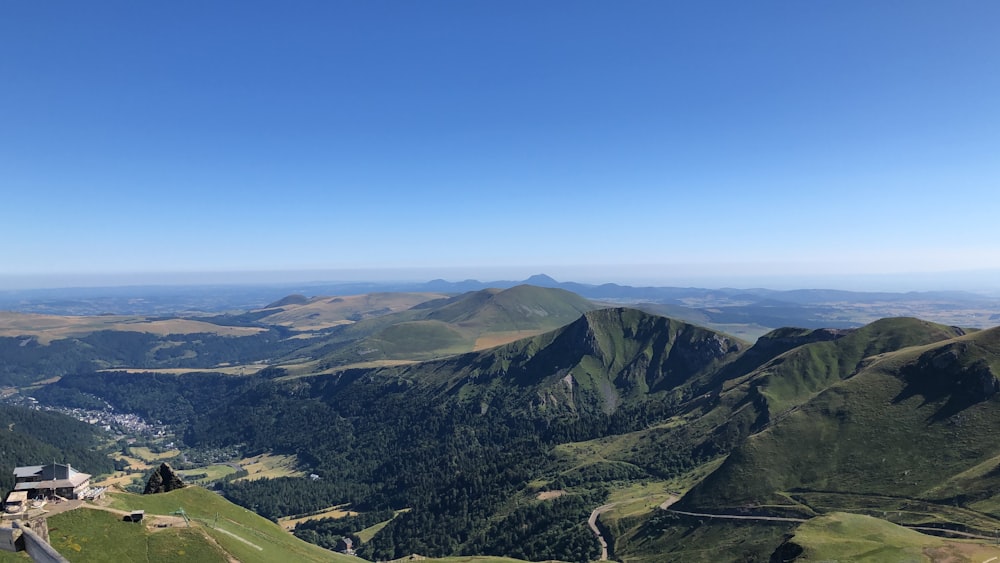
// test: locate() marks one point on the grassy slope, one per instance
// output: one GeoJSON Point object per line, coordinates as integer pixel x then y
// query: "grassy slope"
{"type": "Point", "coordinates": [801, 373]}
{"type": "Point", "coordinates": [792, 367]}
{"type": "Point", "coordinates": [87, 535]}
{"type": "Point", "coordinates": [602, 360]}
{"type": "Point", "coordinates": [897, 428]}
{"type": "Point", "coordinates": [668, 538]}
{"type": "Point", "coordinates": [450, 326]}
{"type": "Point", "coordinates": [853, 537]}
{"type": "Point", "coordinates": [325, 312]}
{"type": "Point", "coordinates": [52, 327]}
{"type": "Point", "coordinates": [204, 507]}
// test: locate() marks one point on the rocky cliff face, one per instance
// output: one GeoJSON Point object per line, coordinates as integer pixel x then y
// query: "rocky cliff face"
{"type": "Point", "coordinates": [163, 480]}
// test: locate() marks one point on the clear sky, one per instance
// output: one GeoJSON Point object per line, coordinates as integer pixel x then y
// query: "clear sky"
{"type": "Point", "coordinates": [609, 141]}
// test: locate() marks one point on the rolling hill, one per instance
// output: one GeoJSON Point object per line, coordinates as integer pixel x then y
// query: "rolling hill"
{"type": "Point", "coordinates": [303, 314]}
{"type": "Point", "coordinates": [307, 335]}
{"type": "Point", "coordinates": [474, 320]}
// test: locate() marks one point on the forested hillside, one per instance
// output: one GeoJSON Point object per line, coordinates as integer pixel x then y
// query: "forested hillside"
{"type": "Point", "coordinates": [31, 437]}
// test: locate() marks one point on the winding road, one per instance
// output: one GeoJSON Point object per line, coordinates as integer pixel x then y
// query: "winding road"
{"type": "Point", "coordinates": [738, 517]}
{"type": "Point", "coordinates": [592, 521]}
{"type": "Point", "coordinates": [936, 531]}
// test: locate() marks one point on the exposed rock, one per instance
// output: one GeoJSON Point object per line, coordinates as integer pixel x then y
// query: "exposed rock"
{"type": "Point", "coordinates": [163, 480]}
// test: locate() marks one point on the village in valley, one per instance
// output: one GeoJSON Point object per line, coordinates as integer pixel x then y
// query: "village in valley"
{"type": "Point", "coordinates": [143, 452]}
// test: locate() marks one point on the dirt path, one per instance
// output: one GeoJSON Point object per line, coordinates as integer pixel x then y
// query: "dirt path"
{"type": "Point", "coordinates": [737, 517]}
{"type": "Point", "coordinates": [670, 500]}
{"type": "Point", "coordinates": [592, 521]}
{"type": "Point", "coordinates": [924, 529]}
{"type": "Point", "coordinates": [53, 508]}
{"type": "Point", "coordinates": [152, 521]}
{"type": "Point", "coordinates": [947, 531]}
{"type": "Point", "coordinates": [232, 535]}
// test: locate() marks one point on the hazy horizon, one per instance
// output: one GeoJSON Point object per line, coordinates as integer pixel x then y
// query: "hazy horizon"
{"type": "Point", "coordinates": [979, 281]}
{"type": "Point", "coordinates": [849, 144]}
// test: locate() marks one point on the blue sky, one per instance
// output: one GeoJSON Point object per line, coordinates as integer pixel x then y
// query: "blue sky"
{"type": "Point", "coordinates": [606, 141]}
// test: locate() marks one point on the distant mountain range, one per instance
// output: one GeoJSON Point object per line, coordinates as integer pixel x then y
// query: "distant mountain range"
{"type": "Point", "coordinates": [746, 313]}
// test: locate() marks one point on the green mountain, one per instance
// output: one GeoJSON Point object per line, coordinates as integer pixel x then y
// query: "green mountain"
{"type": "Point", "coordinates": [891, 420]}
{"type": "Point", "coordinates": [610, 355]}
{"type": "Point", "coordinates": [447, 326]}
{"type": "Point", "coordinates": [911, 423]}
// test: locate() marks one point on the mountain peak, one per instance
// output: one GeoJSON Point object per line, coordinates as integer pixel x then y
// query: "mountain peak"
{"type": "Point", "coordinates": [541, 280]}
{"type": "Point", "coordinates": [293, 299]}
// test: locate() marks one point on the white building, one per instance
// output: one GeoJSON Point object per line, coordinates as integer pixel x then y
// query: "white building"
{"type": "Point", "coordinates": [50, 480]}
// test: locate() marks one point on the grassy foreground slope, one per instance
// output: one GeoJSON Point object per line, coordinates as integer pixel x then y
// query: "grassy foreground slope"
{"type": "Point", "coordinates": [94, 536]}
{"type": "Point", "coordinates": [240, 532]}
{"type": "Point", "coordinates": [219, 532]}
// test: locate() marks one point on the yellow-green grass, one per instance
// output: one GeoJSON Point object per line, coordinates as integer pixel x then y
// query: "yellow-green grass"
{"type": "Point", "coordinates": [368, 533]}
{"type": "Point", "coordinates": [852, 537]}
{"type": "Point", "coordinates": [634, 503]}
{"type": "Point", "coordinates": [210, 472]}
{"type": "Point", "coordinates": [87, 535]}
{"type": "Point", "coordinates": [326, 312]}
{"type": "Point", "coordinates": [133, 462]}
{"type": "Point", "coordinates": [149, 456]}
{"type": "Point", "coordinates": [911, 511]}
{"type": "Point", "coordinates": [270, 466]}
{"type": "Point", "coordinates": [610, 448]}
{"type": "Point", "coordinates": [118, 479]}
{"type": "Point", "coordinates": [639, 498]}
{"type": "Point", "coordinates": [245, 535]}
{"type": "Point", "coordinates": [334, 512]}
{"type": "Point", "coordinates": [47, 328]}
{"type": "Point", "coordinates": [494, 339]}
{"type": "Point", "coordinates": [19, 557]}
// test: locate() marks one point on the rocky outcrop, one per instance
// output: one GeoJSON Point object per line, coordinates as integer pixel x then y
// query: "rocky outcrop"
{"type": "Point", "coordinates": [163, 480]}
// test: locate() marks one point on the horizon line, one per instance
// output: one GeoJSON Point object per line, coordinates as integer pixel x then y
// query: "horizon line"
{"type": "Point", "coordinates": [978, 280]}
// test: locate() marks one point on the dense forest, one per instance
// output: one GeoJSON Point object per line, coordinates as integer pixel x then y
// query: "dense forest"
{"type": "Point", "coordinates": [390, 446]}
{"type": "Point", "coordinates": [31, 437]}
{"type": "Point", "coordinates": [25, 360]}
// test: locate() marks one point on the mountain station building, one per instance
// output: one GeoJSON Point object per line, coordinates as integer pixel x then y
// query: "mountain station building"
{"type": "Point", "coordinates": [54, 479]}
